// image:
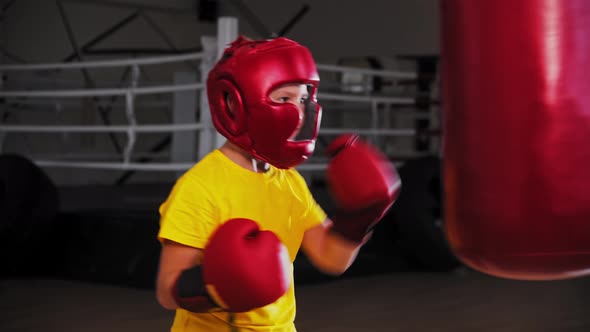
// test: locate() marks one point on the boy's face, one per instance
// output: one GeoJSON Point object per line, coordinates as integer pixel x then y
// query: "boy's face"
{"type": "Point", "coordinates": [296, 94]}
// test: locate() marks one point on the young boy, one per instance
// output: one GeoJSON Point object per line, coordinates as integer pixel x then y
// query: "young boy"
{"type": "Point", "coordinates": [233, 224]}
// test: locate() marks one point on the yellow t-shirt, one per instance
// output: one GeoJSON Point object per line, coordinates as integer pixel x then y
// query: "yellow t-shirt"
{"type": "Point", "coordinates": [217, 189]}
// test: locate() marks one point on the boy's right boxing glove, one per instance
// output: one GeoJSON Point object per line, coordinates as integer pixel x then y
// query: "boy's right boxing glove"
{"type": "Point", "coordinates": [243, 268]}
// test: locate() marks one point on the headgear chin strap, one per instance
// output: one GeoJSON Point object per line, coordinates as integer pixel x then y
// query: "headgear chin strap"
{"type": "Point", "coordinates": [246, 74]}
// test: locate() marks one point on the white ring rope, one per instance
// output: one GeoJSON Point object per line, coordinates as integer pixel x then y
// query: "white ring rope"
{"type": "Point", "coordinates": [181, 127]}
{"type": "Point", "coordinates": [103, 63]}
{"type": "Point", "coordinates": [116, 166]}
{"type": "Point", "coordinates": [368, 131]}
{"type": "Point", "coordinates": [370, 72]}
{"type": "Point", "coordinates": [185, 87]}
{"type": "Point", "coordinates": [97, 156]}
{"type": "Point", "coordinates": [185, 57]}
{"type": "Point", "coordinates": [50, 103]}
{"type": "Point", "coordinates": [147, 167]}
{"type": "Point", "coordinates": [133, 128]}
{"type": "Point", "coordinates": [102, 92]}
{"type": "Point", "coordinates": [131, 136]}
{"type": "Point", "coordinates": [159, 128]}
{"type": "Point", "coordinates": [130, 114]}
{"type": "Point", "coordinates": [367, 99]}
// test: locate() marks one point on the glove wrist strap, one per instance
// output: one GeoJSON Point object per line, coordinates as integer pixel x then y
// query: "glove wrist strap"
{"type": "Point", "coordinates": [190, 293]}
{"type": "Point", "coordinates": [355, 225]}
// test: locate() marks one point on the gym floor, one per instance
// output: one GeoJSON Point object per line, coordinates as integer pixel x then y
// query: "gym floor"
{"type": "Point", "coordinates": [378, 293]}
{"type": "Point", "coordinates": [461, 300]}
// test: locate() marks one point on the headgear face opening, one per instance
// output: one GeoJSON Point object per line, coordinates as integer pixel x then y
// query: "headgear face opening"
{"type": "Point", "coordinates": [247, 73]}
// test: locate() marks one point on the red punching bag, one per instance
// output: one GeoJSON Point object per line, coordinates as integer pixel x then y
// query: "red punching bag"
{"type": "Point", "coordinates": [516, 111]}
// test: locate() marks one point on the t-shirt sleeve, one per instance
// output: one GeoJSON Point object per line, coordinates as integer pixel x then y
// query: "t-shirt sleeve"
{"type": "Point", "coordinates": [313, 214]}
{"type": "Point", "coordinates": [188, 216]}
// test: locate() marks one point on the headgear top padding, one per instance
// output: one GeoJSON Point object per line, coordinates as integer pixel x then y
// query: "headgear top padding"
{"type": "Point", "coordinates": [517, 135]}
{"type": "Point", "coordinates": [246, 74]}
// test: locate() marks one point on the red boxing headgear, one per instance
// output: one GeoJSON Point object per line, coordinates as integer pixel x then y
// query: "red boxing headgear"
{"type": "Point", "coordinates": [247, 73]}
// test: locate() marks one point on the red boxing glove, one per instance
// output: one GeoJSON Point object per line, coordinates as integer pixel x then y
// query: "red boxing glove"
{"type": "Point", "coordinates": [243, 268]}
{"type": "Point", "coordinates": [363, 183]}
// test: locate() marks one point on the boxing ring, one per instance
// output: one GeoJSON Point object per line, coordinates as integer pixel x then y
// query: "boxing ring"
{"type": "Point", "coordinates": [199, 129]}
